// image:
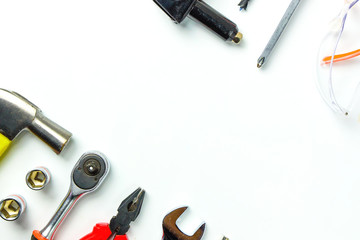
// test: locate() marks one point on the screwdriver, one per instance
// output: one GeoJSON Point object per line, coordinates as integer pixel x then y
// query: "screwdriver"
{"type": "Point", "coordinates": [243, 4]}
{"type": "Point", "coordinates": [279, 30]}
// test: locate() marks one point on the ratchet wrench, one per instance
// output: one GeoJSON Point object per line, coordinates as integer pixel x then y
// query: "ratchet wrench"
{"type": "Point", "coordinates": [88, 174]}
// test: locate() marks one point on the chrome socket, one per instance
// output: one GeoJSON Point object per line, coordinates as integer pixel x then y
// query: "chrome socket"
{"type": "Point", "coordinates": [12, 207]}
{"type": "Point", "coordinates": [38, 178]}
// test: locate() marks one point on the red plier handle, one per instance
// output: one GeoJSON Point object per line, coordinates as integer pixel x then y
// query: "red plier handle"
{"type": "Point", "coordinates": [102, 231]}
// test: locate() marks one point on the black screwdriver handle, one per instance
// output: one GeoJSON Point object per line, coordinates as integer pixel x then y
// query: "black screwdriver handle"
{"type": "Point", "coordinates": [215, 21]}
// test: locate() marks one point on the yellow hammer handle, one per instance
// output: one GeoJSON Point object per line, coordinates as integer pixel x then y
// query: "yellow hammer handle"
{"type": "Point", "coordinates": [4, 144]}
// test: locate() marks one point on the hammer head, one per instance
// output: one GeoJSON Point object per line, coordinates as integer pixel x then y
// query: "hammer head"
{"type": "Point", "coordinates": [17, 114]}
{"type": "Point", "coordinates": [171, 230]}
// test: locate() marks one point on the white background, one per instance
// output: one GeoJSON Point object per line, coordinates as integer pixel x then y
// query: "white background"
{"type": "Point", "coordinates": [256, 154]}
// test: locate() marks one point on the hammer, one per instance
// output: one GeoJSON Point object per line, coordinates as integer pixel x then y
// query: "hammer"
{"type": "Point", "coordinates": [17, 114]}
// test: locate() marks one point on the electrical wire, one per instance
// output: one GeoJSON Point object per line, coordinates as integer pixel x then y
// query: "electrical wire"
{"type": "Point", "coordinates": [329, 97]}
{"type": "Point", "coordinates": [341, 57]}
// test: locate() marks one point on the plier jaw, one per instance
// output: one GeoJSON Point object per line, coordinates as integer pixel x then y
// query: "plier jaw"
{"type": "Point", "coordinates": [128, 211]}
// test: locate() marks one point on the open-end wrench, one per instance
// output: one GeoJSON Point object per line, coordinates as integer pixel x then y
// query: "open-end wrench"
{"type": "Point", "coordinates": [87, 175]}
{"type": "Point", "coordinates": [171, 230]}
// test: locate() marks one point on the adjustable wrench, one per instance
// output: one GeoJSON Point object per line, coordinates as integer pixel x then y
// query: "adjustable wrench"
{"type": "Point", "coordinates": [88, 174]}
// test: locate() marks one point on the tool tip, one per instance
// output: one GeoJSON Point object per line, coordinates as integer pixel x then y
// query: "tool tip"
{"type": "Point", "coordinates": [243, 4]}
{"type": "Point", "coordinates": [260, 62]}
{"type": "Point", "coordinates": [133, 203]}
{"type": "Point", "coordinates": [138, 198]}
{"type": "Point", "coordinates": [238, 37]}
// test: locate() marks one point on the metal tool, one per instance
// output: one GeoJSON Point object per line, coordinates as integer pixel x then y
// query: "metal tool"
{"type": "Point", "coordinates": [203, 13]}
{"type": "Point", "coordinates": [243, 4]}
{"type": "Point", "coordinates": [38, 178]}
{"type": "Point", "coordinates": [171, 230]}
{"type": "Point", "coordinates": [17, 114]}
{"type": "Point", "coordinates": [279, 30]}
{"type": "Point", "coordinates": [12, 207]}
{"type": "Point", "coordinates": [88, 174]}
{"type": "Point", "coordinates": [119, 225]}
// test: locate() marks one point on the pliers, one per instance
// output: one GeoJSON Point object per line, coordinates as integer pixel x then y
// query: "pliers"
{"type": "Point", "coordinates": [128, 211]}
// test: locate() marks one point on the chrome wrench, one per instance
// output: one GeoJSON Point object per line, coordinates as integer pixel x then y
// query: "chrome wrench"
{"type": "Point", "coordinates": [88, 174]}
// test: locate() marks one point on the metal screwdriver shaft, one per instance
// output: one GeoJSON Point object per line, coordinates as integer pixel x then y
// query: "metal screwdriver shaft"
{"type": "Point", "coordinates": [279, 30]}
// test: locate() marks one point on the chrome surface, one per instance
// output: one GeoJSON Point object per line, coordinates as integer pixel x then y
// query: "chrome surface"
{"type": "Point", "coordinates": [18, 114]}
{"type": "Point", "coordinates": [73, 195]}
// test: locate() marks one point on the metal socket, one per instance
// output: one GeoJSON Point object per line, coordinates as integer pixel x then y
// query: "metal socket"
{"type": "Point", "coordinates": [38, 178]}
{"type": "Point", "coordinates": [12, 207]}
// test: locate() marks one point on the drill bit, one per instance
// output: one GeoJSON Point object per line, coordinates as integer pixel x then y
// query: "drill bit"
{"type": "Point", "coordinates": [279, 30]}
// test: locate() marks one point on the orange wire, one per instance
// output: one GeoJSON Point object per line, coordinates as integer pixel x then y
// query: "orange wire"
{"type": "Point", "coordinates": [342, 57]}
